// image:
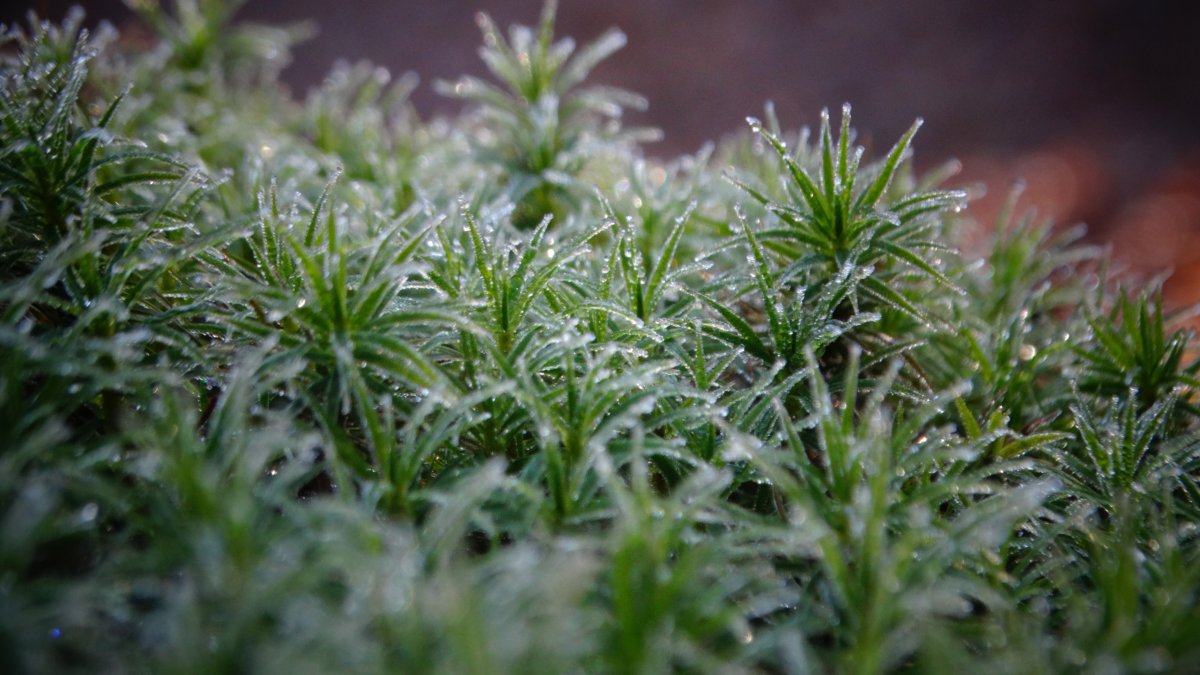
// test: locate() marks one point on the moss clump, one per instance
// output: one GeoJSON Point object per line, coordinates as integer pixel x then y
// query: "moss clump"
{"type": "Point", "coordinates": [325, 387]}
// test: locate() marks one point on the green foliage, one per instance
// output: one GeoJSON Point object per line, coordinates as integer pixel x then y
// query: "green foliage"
{"type": "Point", "coordinates": [842, 218]}
{"type": "Point", "coordinates": [323, 387]}
{"type": "Point", "coordinates": [1135, 349]}
{"type": "Point", "coordinates": [543, 130]}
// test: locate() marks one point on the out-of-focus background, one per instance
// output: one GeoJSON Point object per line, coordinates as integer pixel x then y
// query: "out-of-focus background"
{"type": "Point", "coordinates": [1094, 103]}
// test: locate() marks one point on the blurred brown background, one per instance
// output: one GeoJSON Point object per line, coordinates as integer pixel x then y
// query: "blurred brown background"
{"type": "Point", "coordinates": [1095, 103]}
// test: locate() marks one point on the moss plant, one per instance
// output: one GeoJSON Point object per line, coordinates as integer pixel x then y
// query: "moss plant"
{"type": "Point", "coordinates": [322, 386]}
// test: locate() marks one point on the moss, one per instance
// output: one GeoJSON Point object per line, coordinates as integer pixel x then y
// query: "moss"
{"type": "Point", "coordinates": [321, 386]}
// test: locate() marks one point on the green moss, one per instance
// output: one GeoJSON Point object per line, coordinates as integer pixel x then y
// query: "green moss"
{"type": "Point", "coordinates": [322, 386]}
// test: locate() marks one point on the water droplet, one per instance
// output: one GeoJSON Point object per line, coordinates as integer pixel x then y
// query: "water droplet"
{"type": "Point", "coordinates": [1026, 352]}
{"type": "Point", "coordinates": [88, 513]}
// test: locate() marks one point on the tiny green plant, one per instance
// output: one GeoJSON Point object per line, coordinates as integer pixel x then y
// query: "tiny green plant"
{"type": "Point", "coordinates": [320, 386]}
